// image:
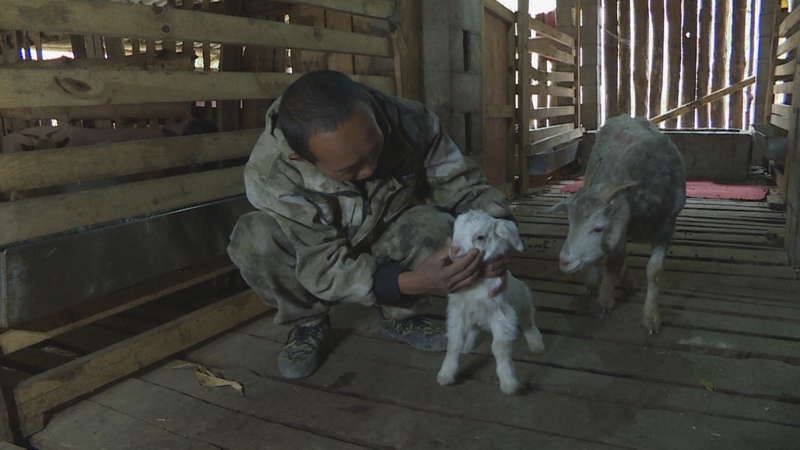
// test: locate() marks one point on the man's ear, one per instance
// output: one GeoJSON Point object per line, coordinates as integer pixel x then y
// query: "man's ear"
{"type": "Point", "coordinates": [296, 157]}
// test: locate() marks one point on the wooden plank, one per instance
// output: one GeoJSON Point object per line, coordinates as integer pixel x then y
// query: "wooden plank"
{"type": "Point", "coordinates": [790, 21]}
{"type": "Point", "coordinates": [28, 334]}
{"type": "Point", "coordinates": [26, 219]}
{"type": "Point", "coordinates": [47, 390]}
{"type": "Point", "coordinates": [781, 110]}
{"type": "Point", "coordinates": [556, 111]}
{"type": "Point", "coordinates": [500, 11]}
{"type": "Point", "coordinates": [689, 63]}
{"type": "Point", "coordinates": [703, 60]}
{"type": "Point", "coordinates": [341, 62]}
{"type": "Point", "coordinates": [556, 91]}
{"type": "Point", "coordinates": [641, 56]}
{"type": "Point", "coordinates": [784, 123]}
{"type": "Point", "coordinates": [554, 77]}
{"type": "Point", "coordinates": [407, 45]}
{"type": "Point", "coordinates": [118, 113]}
{"type": "Point", "coordinates": [543, 47]}
{"type": "Point", "coordinates": [786, 69]}
{"type": "Point", "coordinates": [552, 141]}
{"type": "Point", "coordinates": [610, 58]}
{"type": "Point", "coordinates": [546, 30]}
{"type": "Point", "coordinates": [624, 45]}
{"type": "Point", "coordinates": [525, 97]}
{"type": "Point", "coordinates": [541, 133]}
{"type": "Point", "coordinates": [785, 87]}
{"type": "Point", "coordinates": [142, 22]}
{"type": "Point", "coordinates": [28, 170]}
{"type": "Point", "coordinates": [788, 45]}
{"type": "Point", "coordinates": [673, 50]}
{"type": "Point", "coordinates": [35, 88]}
{"type": "Point", "coordinates": [381, 9]}
{"type": "Point", "coordinates": [716, 95]}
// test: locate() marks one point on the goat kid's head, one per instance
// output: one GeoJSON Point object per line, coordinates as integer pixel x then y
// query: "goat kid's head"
{"type": "Point", "coordinates": [596, 224]}
{"type": "Point", "coordinates": [477, 229]}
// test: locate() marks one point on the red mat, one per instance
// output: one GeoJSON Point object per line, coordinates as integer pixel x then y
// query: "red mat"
{"type": "Point", "coordinates": [702, 189]}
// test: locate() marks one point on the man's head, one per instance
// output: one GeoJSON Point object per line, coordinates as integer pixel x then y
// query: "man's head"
{"type": "Point", "coordinates": [327, 120]}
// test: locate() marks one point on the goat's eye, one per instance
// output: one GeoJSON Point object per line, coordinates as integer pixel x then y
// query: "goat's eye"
{"type": "Point", "coordinates": [598, 229]}
{"type": "Point", "coordinates": [480, 237]}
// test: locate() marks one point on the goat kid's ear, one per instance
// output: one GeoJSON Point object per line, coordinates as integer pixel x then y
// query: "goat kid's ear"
{"type": "Point", "coordinates": [610, 191]}
{"type": "Point", "coordinates": [507, 230]}
{"type": "Point", "coordinates": [560, 207]}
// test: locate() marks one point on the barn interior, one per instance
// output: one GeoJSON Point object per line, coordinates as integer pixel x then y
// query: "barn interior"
{"type": "Point", "coordinates": [125, 129]}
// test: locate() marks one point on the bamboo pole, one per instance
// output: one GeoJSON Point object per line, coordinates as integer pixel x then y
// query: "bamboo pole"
{"type": "Point", "coordinates": [611, 59]}
{"type": "Point", "coordinates": [640, 60]}
{"type": "Point", "coordinates": [624, 98]}
{"type": "Point", "coordinates": [720, 67]}
{"type": "Point", "coordinates": [737, 60]}
{"type": "Point", "coordinates": [657, 68]}
{"type": "Point", "coordinates": [674, 52]}
{"type": "Point", "coordinates": [703, 66]}
{"type": "Point", "coordinates": [716, 95]}
{"type": "Point", "coordinates": [689, 66]}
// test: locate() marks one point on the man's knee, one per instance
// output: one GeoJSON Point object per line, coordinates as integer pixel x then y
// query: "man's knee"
{"type": "Point", "coordinates": [253, 237]}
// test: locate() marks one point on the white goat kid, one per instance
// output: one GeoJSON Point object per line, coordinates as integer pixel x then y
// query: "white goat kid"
{"type": "Point", "coordinates": [469, 309]}
{"type": "Point", "coordinates": [635, 187]}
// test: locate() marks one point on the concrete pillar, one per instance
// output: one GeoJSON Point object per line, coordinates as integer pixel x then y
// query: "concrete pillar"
{"type": "Point", "coordinates": [452, 69]}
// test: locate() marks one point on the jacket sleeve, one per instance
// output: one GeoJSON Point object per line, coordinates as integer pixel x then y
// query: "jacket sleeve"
{"type": "Point", "coordinates": [326, 266]}
{"type": "Point", "coordinates": [456, 182]}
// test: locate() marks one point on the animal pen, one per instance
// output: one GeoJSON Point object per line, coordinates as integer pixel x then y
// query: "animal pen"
{"type": "Point", "coordinates": [125, 324]}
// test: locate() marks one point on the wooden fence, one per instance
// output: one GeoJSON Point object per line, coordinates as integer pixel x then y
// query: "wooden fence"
{"type": "Point", "coordinates": [660, 55]}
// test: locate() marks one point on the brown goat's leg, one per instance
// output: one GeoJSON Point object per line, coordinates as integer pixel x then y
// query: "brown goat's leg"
{"type": "Point", "coordinates": [651, 319]}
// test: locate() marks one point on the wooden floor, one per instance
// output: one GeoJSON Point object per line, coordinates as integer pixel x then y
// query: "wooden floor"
{"type": "Point", "coordinates": [724, 373]}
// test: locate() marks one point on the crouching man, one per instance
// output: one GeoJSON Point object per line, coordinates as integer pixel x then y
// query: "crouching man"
{"type": "Point", "coordinates": [355, 192]}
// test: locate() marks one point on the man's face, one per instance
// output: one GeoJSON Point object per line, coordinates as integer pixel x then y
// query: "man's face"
{"type": "Point", "coordinates": [350, 152]}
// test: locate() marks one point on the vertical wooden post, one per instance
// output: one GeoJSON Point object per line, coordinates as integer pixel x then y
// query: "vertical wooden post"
{"type": "Point", "coordinates": [792, 174]}
{"type": "Point", "coordinates": [703, 57]}
{"type": "Point", "coordinates": [720, 69]}
{"type": "Point", "coordinates": [640, 58]}
{"type": "Point", "coordinates": [611, 60]}
{"type": "Point", "coordinates": [407, 40]}
{"type": "Point", "coordinates": [737, 60]}
{"type": "Point", "coordinates": [689, 66]}
{"type": "Point", "coordinates": [624, 99]}
{"type": "Point", "coordinates": [766, 59]}
{"type": "Point", "coordinates": [523, 92]}
{"type": "Point", "coordinates": [591, 81]}
{"type": "Point", "coordinates": [231, 61]}
{"type": "Point", "coordinates": [674, 51]}
{"type": "Point", "coordinates": [335, 20]}
{"type": "Point", "coordinates": [657, 68]}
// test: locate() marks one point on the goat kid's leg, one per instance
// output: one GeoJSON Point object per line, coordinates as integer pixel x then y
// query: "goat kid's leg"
{"type": "Point", "coordinates": [501, 349]}
{"type": "Point", "coordinates": [532, 334]}
{"type": "Point", "coordinates": [625, 278]}
{"type": "Point", "coordinates": [605, 295]}
{"type": "Point", "coordinates": [456, 335]}
{"type": "Point", "coordinates": [651, 318]}
{"type": "Point", "coordinates": [469, 342]}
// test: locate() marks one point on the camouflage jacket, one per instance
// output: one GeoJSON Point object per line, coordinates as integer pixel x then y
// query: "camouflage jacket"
{"type": "Point", "coordinates": [332, 224]}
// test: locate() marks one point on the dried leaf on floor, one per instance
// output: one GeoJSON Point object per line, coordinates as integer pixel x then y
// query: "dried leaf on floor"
{"type": "Point", "coordinates": [208, 379]}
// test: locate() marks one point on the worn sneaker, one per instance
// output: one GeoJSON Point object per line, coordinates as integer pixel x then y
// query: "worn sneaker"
{"type": "Point", "coordinates": [302, 354]}
{"type": "Point", "coordinates": [419, 332]}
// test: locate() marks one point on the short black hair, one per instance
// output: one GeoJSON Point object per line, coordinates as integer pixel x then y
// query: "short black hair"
{"type": "Point", "coordinates": [317, 102]}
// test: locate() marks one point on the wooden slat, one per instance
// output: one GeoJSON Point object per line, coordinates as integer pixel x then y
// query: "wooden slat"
{"type": "Point", "coordinates": [785, 69]}
{"type": "Point", "coordinates": [31, 333]}
{"type": "Point", "coordinates": [556, 91]}
{"type": "Point", "coordinates": [556, 111]}
{"type": "Point", "coordinates": [789, 44]}
{"type": "Point", "coordinates": [790, 21]}
{"type": "Point", "coordinates": [178, 110]}
{"type": "Point", "coordinates": [54, 387]}
{"type": "Point", "coordinates": [555, 77]}
{"type": "Point", "coordinates": [783, 88]}
{"type": "Point", "coordinates": [784, 123]}
{"type": "Point", "coordinates": [525, 109]}
{"type": "Point", "coordinates": [29, 170]}
{"type": "Point", "coordinates": [381, 9]}
{"type": "Point", "coordinates": [781, 110]}
{"type": "Point", "coordinates": [26, 219]}
{"type": "Point", "coordinates": [542, 133]}
{"type": "Point", "coordinates": [546, 30]}
{"type": "Point", "coordinates": [497, 9]}
{"type": "Point", "coordinates": [716, 95]}
{"type": "Point", "coordinates": [544, 47]}
{"type": "Point", "coordinates": [39, 88]}
{"type": "Point", "coordinates": [550, 142]}
{"type": "Point", "coordinates": [142, 22]}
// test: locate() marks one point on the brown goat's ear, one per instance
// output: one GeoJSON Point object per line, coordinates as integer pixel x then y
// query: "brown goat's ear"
{"type": "Point", "coordinates": [609, 191]}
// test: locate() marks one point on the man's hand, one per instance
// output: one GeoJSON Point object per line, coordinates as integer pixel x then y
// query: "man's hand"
{"type": "Point", "coordinates": [435, 276]}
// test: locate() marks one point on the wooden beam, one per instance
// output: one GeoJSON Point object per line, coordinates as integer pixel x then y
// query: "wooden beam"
{"type": "Point", "coordinates": [738, 60]}
{"type": "Point", "coordinates": [500, 111]}
{"type": "Point", "coordinates": [31, 333]}
{"type": "Point", "coordinates": [641, 61]}
{"type": "Point", "coordinates": [673, 49]}
{"type": "Point", "coordinates": [496, 8]}
{"type": "Point", "coordinates": [542, 133]}
{"type": "Point", "coordinates": [789, 44]}
{"type": "Point", "coordinates": [784, 123]}
{"type": "Point", "coordinates": [553, 77]}
{"type": "Point", "coordinates": [46, 88]}
{"type": "Point", "coordinates": [703, 59]}
{"type": "Point", "coordinates": [782, 110]}
{"type": "Point", "coordinates": [52, 388]}
{"type": "Point", "coordinates": [689, 64]}
{"type": "Point", "coordinates": [544, 47]}
{"type": "Point", "coordinates": [555, 111]}
{"type": "Point", "coordinates": [552, 141]}
{"type": "Point", "coordinates": [624, 91]}
{"type": "Point", "coordinates": [380, 9]}
{"type": "Point", "coordinates": [789, 22]}
{"type": "Point", "coordinates": [783, 88]}
{"type": "Point", "coordinates": [716, 95]}
{"type": "Point", "coordinates": [524, 94]}
{"type": "Point", "coordinates": [719, 73]}
{"type": "Point", "coordinates": [119, 113]}
{"type": "Point", "coordinates": [611, 57]}
{"type": "Point", "coordinates": [407, 40]}
{"type": "Point", "coordinates": [544, 29]}
{"type": "Point", "coordinates": [657, 68]}
{"type": "Point", "coordinates": [557, 91]}
{"type": "Point", "coordinates": [142, 22]}
{"type": "Point", "coordinates": [35, 217]}
{"type": "Point", "coordinates": [29, 170]}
